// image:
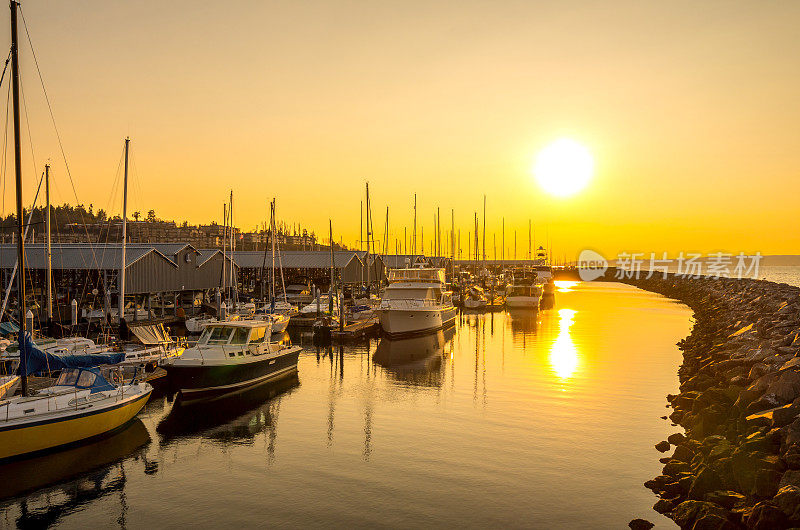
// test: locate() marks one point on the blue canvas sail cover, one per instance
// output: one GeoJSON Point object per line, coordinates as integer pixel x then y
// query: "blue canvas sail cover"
{"type": "Point", "coordinates": [7, 328]}
{"type": "Point", "coordinates": [39, 361]}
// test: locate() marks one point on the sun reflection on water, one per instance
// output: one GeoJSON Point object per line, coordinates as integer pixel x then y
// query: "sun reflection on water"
{"type": "Point", "coordinates": [564, 353]}
{"type": "Point", "coordinates": [565, 286]}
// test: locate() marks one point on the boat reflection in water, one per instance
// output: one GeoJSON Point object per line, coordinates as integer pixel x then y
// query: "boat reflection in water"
{"type": "Point", "coordinates": [236, 416]}
{"type": "Point", "coordinates": [416, 360]}
{"type": "Point", "coordinates": [524, 324]}
{"type": "Point", "coordinates": [70, 479]}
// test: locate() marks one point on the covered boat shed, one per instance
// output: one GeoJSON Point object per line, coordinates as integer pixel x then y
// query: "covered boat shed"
{"type": "Point", "coordinates": [88, 273]}
{"type": "Point", "coordinates": [299, 267]}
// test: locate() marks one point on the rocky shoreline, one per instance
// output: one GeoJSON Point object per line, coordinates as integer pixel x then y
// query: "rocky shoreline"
{"type": "Point", "coordinates": [738, 463]}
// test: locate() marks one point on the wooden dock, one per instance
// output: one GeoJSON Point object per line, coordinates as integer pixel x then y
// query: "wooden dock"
{"type": "Point", "coordinates": [357, 329]}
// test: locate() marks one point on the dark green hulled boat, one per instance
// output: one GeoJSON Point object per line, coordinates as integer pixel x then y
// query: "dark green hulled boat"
{"type": "Point", "coordinates": [229, 356]}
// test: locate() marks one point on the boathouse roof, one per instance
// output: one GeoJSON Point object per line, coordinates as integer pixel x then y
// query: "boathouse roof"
{"type": "Point", "coordinates": [150, 268]}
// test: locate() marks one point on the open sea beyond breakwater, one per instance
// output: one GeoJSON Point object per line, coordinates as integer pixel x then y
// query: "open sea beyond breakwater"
{"type": "Point", "coordinates": [513, 419]}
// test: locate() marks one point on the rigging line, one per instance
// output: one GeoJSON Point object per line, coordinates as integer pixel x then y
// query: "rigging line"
{"type": "Point", "coordinates": [5, 67]}
{"type": "Point", "coordinates": [28, 126]}
{"type": "Point", "coordinates": [55, 127]}
{"type": "Point", "coordinates": [5, 147]}
{"type": "Point", "coordinates": [16, 263]}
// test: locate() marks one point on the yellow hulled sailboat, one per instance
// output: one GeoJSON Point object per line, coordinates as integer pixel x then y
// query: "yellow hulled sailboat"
{"type": "Point", "coordinates": [83, 403]}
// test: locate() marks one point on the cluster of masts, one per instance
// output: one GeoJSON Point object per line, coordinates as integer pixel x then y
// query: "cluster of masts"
{"type": "Point", "coordinates": [451, 246]}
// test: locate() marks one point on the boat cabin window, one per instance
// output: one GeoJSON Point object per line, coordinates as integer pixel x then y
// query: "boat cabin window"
{"type": "Point", "coordinates": [408, 294]}
{"type": "Point", "coordinates": [86, 379]}
{"type": "Point", "coordinates": [257, 335]}
{"type": "Point", "coordinates": [67, 378]}
{"type": "Point", "coordinates": [240, 336]}
{"type": "Point", "coordinates": [424, 275]}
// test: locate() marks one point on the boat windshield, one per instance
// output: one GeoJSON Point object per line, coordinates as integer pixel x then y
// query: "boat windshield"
{"type": "Point", "coordinates": [216, 335]}
{"type": "Point", "coordinates": [240, 336]}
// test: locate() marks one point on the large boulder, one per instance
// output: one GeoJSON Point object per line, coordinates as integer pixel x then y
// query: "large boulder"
{"type": "Point", "coordinates": [640, 524]}
{"type": "Point", "coordinates": [788, 501]}
{"type": "Point", "coordinates": [787, 387]}
{"type": "Point", "coordinates": [673, 468]}
{"type": "Point", "coordinates": [706, 481]}
{"type": "Point", "coordinates": [683, 453]}
{"type": "Point", "coordinates": [785, 415]}
{"type": "Point", "coordinates": [790, 478]}
{"type": "Point", "coordinates": [676, 439]}
{"type": "Point", "coordinates": [686, 513]}
{"type": "Point", "coordinates": [766, 516]}
{"type": "Point", "coordinates": [756, 473]}
{"type": "Point", "coordinates": [726, 499]}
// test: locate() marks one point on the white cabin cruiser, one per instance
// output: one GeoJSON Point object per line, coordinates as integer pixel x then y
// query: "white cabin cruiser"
{"type": "Point", "coordinates": [524, 292]}
{"type": "Point", "coordinates": [416, 301]}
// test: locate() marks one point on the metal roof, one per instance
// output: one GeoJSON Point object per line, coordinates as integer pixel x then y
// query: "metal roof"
{"type": "Point", "coordinates": [206, 254]}
{"type": "Point", "coordinates": [77, 256]}
{"type": "Point", "coordinates": [168, 249]}
{"type": "Point", "coordinates": [296, 259]}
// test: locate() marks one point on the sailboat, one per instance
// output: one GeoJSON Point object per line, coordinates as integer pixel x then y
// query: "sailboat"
{"type": "Point", "coordinates": [153, 345]}
{"type": "Point", "coordinates": [83, 403]}
{"type": "Point", "coordinates": [277, 312]}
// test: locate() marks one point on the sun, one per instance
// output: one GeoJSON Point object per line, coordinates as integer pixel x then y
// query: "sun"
{"type": "Point", "coordinates": [564, 167]}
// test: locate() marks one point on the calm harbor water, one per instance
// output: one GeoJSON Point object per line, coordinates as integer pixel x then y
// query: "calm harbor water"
{"type": "Point", "coordinates": [516, 420]}
{"type": "Point", "coordinates": [789, 274]}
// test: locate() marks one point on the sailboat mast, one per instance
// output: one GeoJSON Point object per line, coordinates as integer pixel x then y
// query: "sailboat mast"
{"type": "Point", "coordinates": [484, 230]}
{"type": "Point", "coordinates": [438, 233]}
{"type": "Point", "coordinates": [272, 229]}
{"type": "Point", "coordinates": [366, 259]}
{"type": "Point", "coordinates": [20, 211]}
{"type": "Point", "coordinates": [49, 246]}
{"type": "Point", "coordinates": [224, 246]}
{"type": "Point", "coordinates": [414, 246]}
{"type": "Point", "coordinates": [121, 283]}
{"type": "Point", "coordinates": [453, 242]}
{"type": "Point", "coordinates": [331, 289]}
{"type": "Point", "coordinates": [233, 285]}
{"type": "Point", "coordinates": [529, 239]}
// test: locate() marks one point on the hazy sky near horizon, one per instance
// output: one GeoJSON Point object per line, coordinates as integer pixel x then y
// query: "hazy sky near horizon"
{"type": "Point", "coordinates": [689, 109]}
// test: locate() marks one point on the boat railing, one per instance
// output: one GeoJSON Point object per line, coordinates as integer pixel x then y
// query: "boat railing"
{"type": "Point", "coordinates": [409, 303]}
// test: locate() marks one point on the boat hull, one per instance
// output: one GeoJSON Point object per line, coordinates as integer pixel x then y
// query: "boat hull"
{"type": "Point", "coordinates": [279, 325]}
{"type": "Point", "coordinates": [407, 322]}
{"type": "Point", "coordinates": [522, 302]}
{"type": "Point", "coordinates": [197, 381]}
{"type": "Point", "coordinates": [21, 440]}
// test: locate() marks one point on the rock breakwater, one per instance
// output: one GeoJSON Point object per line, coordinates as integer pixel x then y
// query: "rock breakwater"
{"type": "Point", "coordinates": [738, 463]}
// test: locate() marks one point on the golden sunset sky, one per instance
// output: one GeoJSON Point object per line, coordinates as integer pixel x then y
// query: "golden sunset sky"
{"type": "Point", "coordinates": [688, 108]}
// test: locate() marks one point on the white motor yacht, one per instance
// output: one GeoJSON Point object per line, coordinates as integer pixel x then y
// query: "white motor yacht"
{"type": "Point", "coordinates": [416, 301]}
